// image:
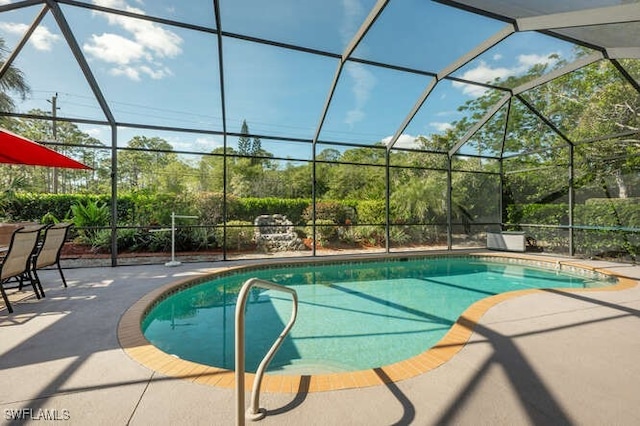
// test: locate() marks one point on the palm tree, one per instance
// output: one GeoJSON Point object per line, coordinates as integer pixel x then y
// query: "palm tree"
{"type": "Point", "coordinates": [12, 81]}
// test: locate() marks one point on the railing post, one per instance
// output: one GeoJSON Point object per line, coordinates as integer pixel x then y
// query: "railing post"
{"type": "Point", "coordinates": [255, 412]}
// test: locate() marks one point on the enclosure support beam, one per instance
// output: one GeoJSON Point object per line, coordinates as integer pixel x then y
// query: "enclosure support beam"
{"type": "Point", "coordinates": [472, 131]}
{"type": "Point", "coordinates": [622, 70]}
{"type": "Point", "coordinates": [114, 195]}
{"type": "Point", "coordinates": [7, 63]}
{"type": "Point", "coordinates": [81, 59]}
{"type": "Point", "coordinates": [546, 121]}
{"type": "Point", "coordinates": [223, 110]}
{"type": "Point", "coordinates": [587, 17]}
{"type": "Point", "coordinates": [503, 216]}
{"type": "Point", "coordinates": [351, 47]}
{"type": "Point", "coordinates": [575, 65]}
{"type": "Point", "coordinates": [387, 207]}
{"type": "Point", "coordinates": [571, 200]}
{"type": "Point", "coordinates": [460, 62]}
{"type": "Point", "coordinates": [449, 204]}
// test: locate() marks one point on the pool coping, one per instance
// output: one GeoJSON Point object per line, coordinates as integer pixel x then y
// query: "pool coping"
{"type": "Point", "coordinates": [141, 350]}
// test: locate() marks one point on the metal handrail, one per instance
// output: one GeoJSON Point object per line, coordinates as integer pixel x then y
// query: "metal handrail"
{"type": "Point", "coordinates": [254, 412]}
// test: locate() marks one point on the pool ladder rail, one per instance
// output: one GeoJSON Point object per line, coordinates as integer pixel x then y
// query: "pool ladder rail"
{"type": "Point", "coordinates": [254, 412]}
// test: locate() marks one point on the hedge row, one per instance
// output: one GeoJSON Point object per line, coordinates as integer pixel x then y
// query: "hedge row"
{"type": "Point", "coordinates": [610, 213]}
{"type": "Point", "coordinates": [156, 209]}
{"type": "Point", "coordinates": [619, 220]}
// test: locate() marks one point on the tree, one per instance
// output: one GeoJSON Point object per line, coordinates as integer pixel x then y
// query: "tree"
{"type": "Point", "coordinates": [12, 81]}
{"type": "Point", "coordinates": [244, 141]}
{"type": "Point", "coordinates": [139, 167]}
{"type": "Point", "coordinates": [363, 177]}
{"type": "Point", "coordinates": [73, 140]}
{"type": "Point", "coordinates": [211, 170]}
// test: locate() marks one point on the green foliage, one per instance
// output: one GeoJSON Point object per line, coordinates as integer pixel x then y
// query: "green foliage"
{"type": "Point", "coordinates": [127, 239]}
{"type": "Point", "coordinates": [335, 211]}
{"type": "Point", "coordinates": [49, 219]}
{"type": "Point", "coordinates": [370, 235]}
{"type": "Point", "coordinates": [153, 209]}
{"type": "Point", "coordinates": [544, 214]}
{"type": "Point", "coordinates": [371, 212]}
{"type": "Point", "coordinates": [32, 206]}
{"type": "Point", "coordinates": [420, 200]}
{"type": "Point", "coordinates": [210, 206]}
{"type": "Point", "coordinates": [398, 236]}
{"type": "Point", "coordinates": [618, 218]}
{"type": "Point", "coordinates": [239, 235]}
{"type": "Point", "coordinates": [250, 208]}
{"type": "Point", "coordinates": [326, 231]}
{"type": "Point", "coordinates": [89, 217]}
{"type": "Point", "coordinates": [187, 238]}
{"type": "Point", "coordinates": [347, 235]}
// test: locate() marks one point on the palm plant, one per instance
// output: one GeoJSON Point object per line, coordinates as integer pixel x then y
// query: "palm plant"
{"type": "Point", "coordinates": [89, 218]}
{"type": "Point", "coordinates": [11, 81]}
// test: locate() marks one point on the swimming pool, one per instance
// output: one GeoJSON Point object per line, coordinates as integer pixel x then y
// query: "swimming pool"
{"type": "Point", "coordinates": [352, 316]}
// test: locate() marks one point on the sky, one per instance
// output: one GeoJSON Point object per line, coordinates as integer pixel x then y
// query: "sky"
{"type": "Point", "coordinates": [157, 74]}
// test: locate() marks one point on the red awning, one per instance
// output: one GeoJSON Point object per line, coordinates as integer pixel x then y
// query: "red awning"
{"type": "Point", "coordinates": [15, 149]}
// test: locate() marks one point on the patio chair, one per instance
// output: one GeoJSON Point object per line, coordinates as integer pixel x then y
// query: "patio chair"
{"type": "Point", "coordinates": [16, 264]}
{"type": "Point", "coordinates": [48, 252]}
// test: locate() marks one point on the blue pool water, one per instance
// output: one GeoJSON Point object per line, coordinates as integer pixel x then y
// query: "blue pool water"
{"type": "Point", "coordinates": [352, 316]}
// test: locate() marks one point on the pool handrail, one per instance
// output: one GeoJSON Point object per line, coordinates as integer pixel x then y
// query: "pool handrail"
{"type": "Point", "coordinates": [254, 412]}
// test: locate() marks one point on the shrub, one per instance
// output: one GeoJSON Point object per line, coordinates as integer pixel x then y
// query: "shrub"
{"type": "Point", "coordinates": [127, 239]}
{"type": "Point", "coordinates": [249, 208]}
{"type": "Point", "coordinates": [49, 219]}
{"type": "Point", "coordinates": [398, 236]}
{"type": "Point", "coordinates": [239, 234]}
{"type": "Point", "coordinates": [371, 212]}
{"type": "Point", "coordinates": [210, 207]}
{"type": "Point", "coordinates": [326, 231]}
{"type": "Point", "coordinates": [370, 235]}
{"type": "Point", "coordinates": [334, 211]}
{"type": "Point", "coordinates": [89, 217]}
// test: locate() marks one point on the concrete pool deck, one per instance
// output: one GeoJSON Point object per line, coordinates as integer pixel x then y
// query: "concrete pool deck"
{"type": "Point", "coordinates": [542, 358]}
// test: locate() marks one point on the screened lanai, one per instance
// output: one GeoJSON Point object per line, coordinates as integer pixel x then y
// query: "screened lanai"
{"type": "Point", "coordinates": [304, 128]}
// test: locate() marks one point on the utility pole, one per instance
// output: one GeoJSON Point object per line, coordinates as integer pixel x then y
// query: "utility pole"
{"type": "Point", "coordinates": [54, 108]}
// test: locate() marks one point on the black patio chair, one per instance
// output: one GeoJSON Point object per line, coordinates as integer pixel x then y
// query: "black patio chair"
{"type": "Point", "coordinates": [16, 264]}
{"type": "Point", "coordinates": [48, 252]}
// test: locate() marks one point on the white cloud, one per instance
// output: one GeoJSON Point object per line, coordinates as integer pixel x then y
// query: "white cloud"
{"type": "Point", "coordinates": [138, 53]}
{"type": "Point", "coordinates": [363, 80]}
{"type": "Point", "coordinates": [440, 126]}
{"type": "Point", "coordinates": [207, 144]}
{"type": "Point", "coordinates": [156, 73]}
{"type": "Point", "coordinates": [203, 144]}
{"type": "Point", "coordinates": [497, 57]}
{"type": "Point", "coordinates": [351, 18]}
{"type": "Point", "coordinates": [130, 72]}
{"type": "Point", "coordinates": [114, 49]}
{"type": "Point", "coordinates": [484, 73]}
{"type": "Point", "coordinates": [404, 141]}
{"type": "Point", "coordinates": [41, 39]}
{"type": "Point", "coordinates": [363, 83]}
{"type": "Point", "coordinates": [95, 132]}
{"type": "Point", "coordinates": [527, 61]}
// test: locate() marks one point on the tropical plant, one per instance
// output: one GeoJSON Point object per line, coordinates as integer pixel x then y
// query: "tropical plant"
{"type": "Point", "coordinates": [89, 217]}
{"type": "Point", "coordinates": [12, 81]}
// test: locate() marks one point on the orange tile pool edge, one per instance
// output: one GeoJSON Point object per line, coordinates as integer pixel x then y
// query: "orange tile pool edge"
{"type": "Point", "coordinates": [138, 347]}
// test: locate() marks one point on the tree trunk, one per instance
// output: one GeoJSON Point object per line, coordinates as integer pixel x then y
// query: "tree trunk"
{"type": "Point", "coordinates": [622, 186]}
